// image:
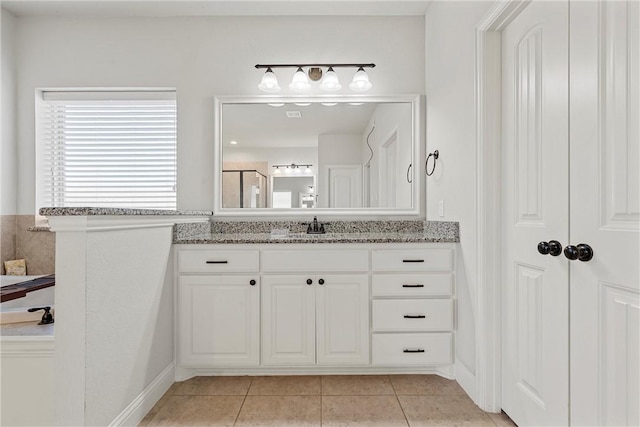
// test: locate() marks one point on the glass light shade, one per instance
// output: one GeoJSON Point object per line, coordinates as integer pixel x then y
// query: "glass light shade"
{"type": "Point", "coordinates": [330, 81]}
{"type": "Point", "coordinates": [277, 171]}
{"type": "Point", "coordinates": [307, 170]}
{"type": "Point", "coordinates": [269, 82]}
{"type": "Point", "coordinates": [297, 170]}
{"type": "Point", "coordinates": [287, 170]}
{"type": "Point", "coordinates": [360, 82]}
{"type": "Point", "coordinates": [300, 82]}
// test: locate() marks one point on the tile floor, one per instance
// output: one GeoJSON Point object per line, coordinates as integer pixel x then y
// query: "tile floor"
{"type": "Point", "coordinates": [345, 400]}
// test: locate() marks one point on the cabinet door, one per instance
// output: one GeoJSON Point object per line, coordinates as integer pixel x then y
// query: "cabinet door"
{"type": "Point", "coordinates": [218, 321]}
{"type": "Point", "coordinates": [343, 319]}
{"type": "Point", "coordinates": [288, 320]}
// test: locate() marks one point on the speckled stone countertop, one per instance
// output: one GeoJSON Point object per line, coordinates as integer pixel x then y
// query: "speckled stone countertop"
{"type": "Point", "coordinates": [23, 329]}
{"type": "Point", "coordinates": [430, 231]}
{"type": "Point", "coordinates": [116, 211]}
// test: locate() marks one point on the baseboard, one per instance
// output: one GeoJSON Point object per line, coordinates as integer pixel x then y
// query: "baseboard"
{"type": "Point", "coordinates": [183, 373]}
{"type": "Point", "coordinates": [138, 408]}
{"type": "Point", "coordinates": [466, 379]}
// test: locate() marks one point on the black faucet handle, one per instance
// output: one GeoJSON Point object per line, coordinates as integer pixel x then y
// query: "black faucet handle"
{"type": "Point", "coordinates": [47, 317]}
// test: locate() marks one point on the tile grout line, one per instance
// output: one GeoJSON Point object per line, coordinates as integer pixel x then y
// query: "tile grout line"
{"type": "Point", "coordinates": [243, 400]}
{"type": "Point", "coordinates": [399, 403]}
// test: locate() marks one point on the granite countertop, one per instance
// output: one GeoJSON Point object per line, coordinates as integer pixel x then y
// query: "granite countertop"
{"type": "Point", "coordinates": [26, 329]}
{"type": "Point", "coordinates": [116, 211]}
{"type": "Point", "coordinates": [433, 231]}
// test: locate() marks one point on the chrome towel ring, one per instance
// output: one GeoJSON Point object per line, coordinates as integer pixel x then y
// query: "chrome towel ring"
{"type": "Point", "coordinates": [435, 155]}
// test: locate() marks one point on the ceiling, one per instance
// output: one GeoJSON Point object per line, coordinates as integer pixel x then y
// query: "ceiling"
{"type": "Point", "coordinates": [260, 125]}
{"type": "Point", "coordinates": [155, 8]}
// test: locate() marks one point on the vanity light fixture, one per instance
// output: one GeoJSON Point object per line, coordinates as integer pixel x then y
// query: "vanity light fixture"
{"type": "Point", "coordinates": [233, 142]}
{"type": "Point", "coordinates": [269, 82]}
{"type": "Point", "coordinates": [329, 104]}
{"type": "Point", "coordinates": [300, 82]}
{"type": "Point", "coordinates": [292, 168]}
{"type": "Point", "coordinates": [276, 104]}
{"type": "Point", "coordinates": [329, 79]}
{"type": "Point", "coordinates": [360, 82]}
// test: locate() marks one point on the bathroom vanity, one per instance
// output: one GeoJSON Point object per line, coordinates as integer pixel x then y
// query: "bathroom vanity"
{"type": "Point", "coordinates": [247, 303]}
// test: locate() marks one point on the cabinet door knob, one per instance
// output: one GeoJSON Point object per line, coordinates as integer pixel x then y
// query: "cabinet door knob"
{"type": "Point", "coordinates": [321, 281]}
{"type": "Point", "coordinates": [252, 282]}
{"type": "Point", "coordinates": [309, 281]}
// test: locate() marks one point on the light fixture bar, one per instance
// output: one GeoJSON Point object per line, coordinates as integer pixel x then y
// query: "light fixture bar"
{"type": "Point", "coordinates": [372, 65]}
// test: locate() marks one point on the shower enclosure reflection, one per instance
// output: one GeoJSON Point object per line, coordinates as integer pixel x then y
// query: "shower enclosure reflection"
{"type": "Point", "coordinates": [244, 188]}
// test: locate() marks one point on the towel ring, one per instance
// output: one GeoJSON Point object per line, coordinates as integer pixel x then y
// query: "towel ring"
{"type": "Point", "coordinates": [435, 155]}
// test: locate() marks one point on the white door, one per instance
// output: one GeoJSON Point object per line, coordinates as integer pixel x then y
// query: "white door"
{"type": "Point", "coordinates": [535, 359]}
{"type": "Point", "coordinates": [342, 319]}
{"type": "Point", "coordinates": [288, 320]}
{"type": "Point", "coordinates": [218, 321]}
{"type": "Point", "coordinates": [344, 184]}
{"type": "Point", "coordinates": [605, 212]}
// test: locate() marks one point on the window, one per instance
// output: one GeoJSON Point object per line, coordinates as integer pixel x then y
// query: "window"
{"type": "Point", "coordinates": [112, 149]}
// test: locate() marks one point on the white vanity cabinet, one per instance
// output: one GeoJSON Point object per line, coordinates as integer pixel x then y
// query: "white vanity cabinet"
{"type": "Point", "coordinates": [315, 319]}
{"type": "Point", "coordinates": [218, 312]}
{"type": "Point", "coordinates": [412, 306]}
{"type": "Point", "coordinates": [251, 308]}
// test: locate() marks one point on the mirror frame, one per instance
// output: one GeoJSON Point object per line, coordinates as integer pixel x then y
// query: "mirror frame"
{"type": "Point", "coordinates": [418, 190]}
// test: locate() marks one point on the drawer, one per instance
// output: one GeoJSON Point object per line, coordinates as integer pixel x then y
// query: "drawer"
{"type": "Point", "coordinates": [307, 261]}
{"type": "Point", "coordinates": [411, 349]}
{"type": "Point", "coordinates": [411, 285]}
{"type": "Point", "coordinates": [412, 259]}
{"type": "Point", "coordinates": [217, 260]}
{"type": "Point", "coordinates": [412, 315]}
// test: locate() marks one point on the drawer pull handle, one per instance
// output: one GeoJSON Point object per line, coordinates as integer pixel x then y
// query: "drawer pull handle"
{"type": "Point", "coordinates": [217, 262]}
{"type": "Point", "coordinates": [413, 286]}
{"type": "Point", "coordinates": [412, 260]}
{"type": "Point", "coordinates": [418, 350]}
{"type": "Point", "coordinates": [415, 316]}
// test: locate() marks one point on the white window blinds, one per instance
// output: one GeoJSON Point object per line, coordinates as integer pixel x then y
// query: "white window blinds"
{"type": "Point", "coordinates": [109, 151]}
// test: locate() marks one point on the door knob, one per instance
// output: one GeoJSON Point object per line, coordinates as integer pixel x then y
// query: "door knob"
{"type": "Point", "coordinates": [321, 281]}
{"type": "Point", "coordinates": [252, 282]}
{"type": "Point", "coordinates": [553, 248]}
{"type": "Point", "coordinates": [309, 281]}
{"type": "Point", "coordinates": [582, 252]}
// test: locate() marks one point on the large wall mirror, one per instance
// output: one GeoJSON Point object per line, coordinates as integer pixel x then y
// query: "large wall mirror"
{"type": "Point", "coordinates": [333, 155]}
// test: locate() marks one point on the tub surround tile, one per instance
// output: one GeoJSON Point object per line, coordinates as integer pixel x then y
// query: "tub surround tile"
{"type": "Point", "coordinates": [84, 211]}
{"type": "Point", "coordinates": [38, 248]}
{"type": "Point", "coordinates": [8, 231]}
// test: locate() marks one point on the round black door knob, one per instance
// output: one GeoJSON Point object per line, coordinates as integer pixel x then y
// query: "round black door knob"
{"type": "Point", "coordinates": [309, 281]}
{"type": "Point", "coordinates": [582, 252]}
{"type": "Point", "coordinates": [252, 282]}
{"type": "Point", "coordinates": [585, 252]}
{"type": "Point", "coordinates": [321, 281]}
{"type": "Point", "coordinates": [543, 248]}
{"type": "Point", "coordinates": [571, 252]}
{"type": "Point", "coordinates": [555, 248]}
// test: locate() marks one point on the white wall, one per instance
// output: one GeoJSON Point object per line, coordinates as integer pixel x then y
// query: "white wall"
{"type": "Point", "coordinates": [8, 136]}
{"type": "Point", "coordinates": [335, 150]}
{"type": "Point", "coordinates": [201, 57]}
{"type": "Point", "coordinates": [389, 119]}
{"type": "Point", "coordinates": [450, 61]}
